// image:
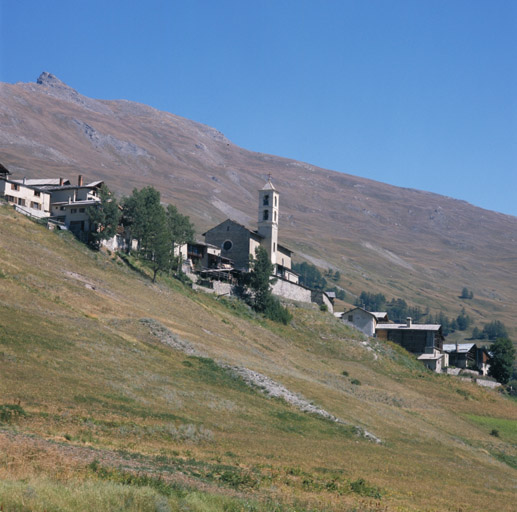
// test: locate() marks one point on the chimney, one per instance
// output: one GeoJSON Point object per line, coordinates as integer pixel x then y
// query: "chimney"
{"type": "Point", "coordinates": [24, 180]}
{"type": "Point", "coordinates": [80, 180]}
{"type": "Point", "coordinates": [61, 182]}
{"type": "Point", "coordinates": [408, 321]}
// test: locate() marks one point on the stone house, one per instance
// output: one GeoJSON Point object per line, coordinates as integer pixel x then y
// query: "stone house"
{"type": "Point", "coordinates": [468, 355]}
{"type": "Point", "coordinates": [365, 321]}
{"type": "Point", "coordinates": [424, 340]}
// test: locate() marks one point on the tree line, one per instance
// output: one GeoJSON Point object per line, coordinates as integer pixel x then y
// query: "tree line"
{"type": "Point", "coordinates": [310, 276]}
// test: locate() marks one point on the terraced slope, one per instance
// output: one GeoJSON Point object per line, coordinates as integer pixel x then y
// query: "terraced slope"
{"type": "Point", "coordinates": [122, 394]}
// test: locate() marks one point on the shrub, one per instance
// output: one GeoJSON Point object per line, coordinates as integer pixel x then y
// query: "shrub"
{"type": "Point", "coordinates": [355, 382]}
{"type": "Point", "coordinates": [324, 307]}
{"type": "Point", "coordinates": [276, 312]}
{"type": "Point", "coordinates": [11, 412]}
{"type": "Point", "coordinates": [360, 486]}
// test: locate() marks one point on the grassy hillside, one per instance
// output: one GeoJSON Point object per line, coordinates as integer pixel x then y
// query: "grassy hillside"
{"type": "Point", "coordinates": [98, 413]}
{"type": "Point", "coordinates": [408, 244]}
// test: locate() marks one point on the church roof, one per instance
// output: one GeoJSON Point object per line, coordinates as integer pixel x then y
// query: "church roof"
{"type": "Point", "coordinates": [269, 185]}
{"type": "Point", "coordinates": [251, 231]}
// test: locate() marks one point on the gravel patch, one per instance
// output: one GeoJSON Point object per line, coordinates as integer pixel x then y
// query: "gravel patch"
{"type": "Point", "coordinates": [254, 379]}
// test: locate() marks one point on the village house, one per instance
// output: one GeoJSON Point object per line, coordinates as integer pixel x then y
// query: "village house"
{"type": "Point", "coordinates": [468, 355]}
{"type": "Point", "coordinates": [365, 321]}
{"type": "Point", "coordinates": [424, 340]}
{"type": "Point", "coordinates": [53, 198]}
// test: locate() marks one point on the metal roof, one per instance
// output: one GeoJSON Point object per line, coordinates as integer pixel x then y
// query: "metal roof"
{"type": "Point", "coordinates": [379, 314]}
{"type": "Point", "coordinates": [87, 202]}
{"type": "Point", "coordinates": [414, 327]}
{"type": "Point", "coordinates": [431, 357]}
{"type": "Point", "coordinates": [460, 348]}
{"type": "Point", "coordinates": [41, 182]}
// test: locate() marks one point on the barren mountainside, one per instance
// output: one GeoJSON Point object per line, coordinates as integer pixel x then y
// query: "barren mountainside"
{"type": "Point", "coordinates": [405, 243]}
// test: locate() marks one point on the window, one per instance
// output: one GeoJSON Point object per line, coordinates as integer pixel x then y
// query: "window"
{"type": "Point", "coordinates": [274, 247]}
{"type": "Point", "coordinates": [35, 205]}
{"type": "Point", "coordinates": [81, 210]}
{"type": "Point", "coordinates": [275, 216]}
{"type": "Point", "coordinates": [227, 228]}
{"type": "Point", "coordinates": [62, 208]}
{"type": "Point", "coordinates": [73, 210]}
{"type": "Point", "coordinates": [350, 318]}
{"type": "Point", "coordinates": [266, 215]}
{"type": "Point", "coordinates": [266, 200]}
{"type": "Point", "coordinates": [276, 200]}
{"type": "Point", "coordinates": [21, 201]}
{"type": "Point", "coordinates": [15, 186]}
{"type": "Point", "coordinates": [37, 193]}
{"type": "Point", "coordinates": [227, 245]}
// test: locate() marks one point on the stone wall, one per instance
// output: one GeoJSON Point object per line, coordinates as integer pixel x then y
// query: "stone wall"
{"type": "Point", "coordinates": [322, 298]}
{"type": "Point", "coordinates": [292, 291]}
{"type": "Point", "coordinates": [217, 288]}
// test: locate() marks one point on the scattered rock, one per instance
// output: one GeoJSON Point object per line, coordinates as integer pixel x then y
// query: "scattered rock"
{"type": "Point", "coordinates": [254, 379]}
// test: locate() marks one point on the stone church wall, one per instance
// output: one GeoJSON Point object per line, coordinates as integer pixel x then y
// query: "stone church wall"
{"type": "Point", "coordinates": [239, 237]}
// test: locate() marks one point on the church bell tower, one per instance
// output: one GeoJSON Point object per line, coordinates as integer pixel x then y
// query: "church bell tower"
{"type": "Point", "coordinates": [268, 218]}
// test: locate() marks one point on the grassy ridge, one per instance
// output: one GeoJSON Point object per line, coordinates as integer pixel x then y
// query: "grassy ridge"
{"type": "Point", "coordinates": [98, 388]}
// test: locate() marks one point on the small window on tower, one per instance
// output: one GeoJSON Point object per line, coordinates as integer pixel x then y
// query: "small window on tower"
{"type": "Point", "coordinates": [227, 245]}
{"type": "Point", "coordinates": [266, 200]}
{"type": "Point", "coordinates": [266, 215]}
{"type": "Point", "coordinates": [275, 201]}
{"type": "Point", "coordinates": [275, 216]}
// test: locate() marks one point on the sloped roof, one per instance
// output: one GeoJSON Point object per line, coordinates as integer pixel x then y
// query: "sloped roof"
{"type": "Point", "coordinates": [462, 348]}
{"type": "Point", "coordinates": [380, 315]}
{"type": "Point", "coordinates": [430, 357]}
{"type": "Point", "coordinates": [253, 232]}
{"type": "Point", "coordinates": [360, 309]}
{"type": "Point", "coordinates": [73, 204]}
{"type": "Point", "coordinates": [414, 327]}
{"type": "Point", "coordinates": [268, 185]}
{"type": "Point", "coordinates": [4, 169]}
{"type": "Point", "coordinates": [283, 248]}
{"type": "Point", "coordinates": [42, 182]}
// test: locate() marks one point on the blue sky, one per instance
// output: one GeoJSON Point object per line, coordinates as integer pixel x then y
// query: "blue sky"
{"type": "Point", "coordinates": [416, 93]}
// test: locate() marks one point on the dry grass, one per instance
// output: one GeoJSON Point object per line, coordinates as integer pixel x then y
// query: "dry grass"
{"type": "Point", "coordinates": [93, 380]}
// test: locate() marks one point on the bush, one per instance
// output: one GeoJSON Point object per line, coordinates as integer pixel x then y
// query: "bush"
{"type": "Point", "coordinates": [324, 307]}
{"type": "Point", "coordinates": [360, 486]}
{"type": "Point", "coordinates": [355, 382]}
{"type": "Point", "coordinates": [276, 312]}
{"type": "Point", "coordinates": [11, 412]}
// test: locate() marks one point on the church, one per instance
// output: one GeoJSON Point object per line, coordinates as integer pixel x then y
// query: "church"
{"type": "Point", "coordinates": [238, 243]}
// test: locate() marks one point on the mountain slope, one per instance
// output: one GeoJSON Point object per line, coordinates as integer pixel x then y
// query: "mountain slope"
{"type": "Point", "coordinates": [415, 245]}
{"type": "Point", "coordinates": [106, 398]}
